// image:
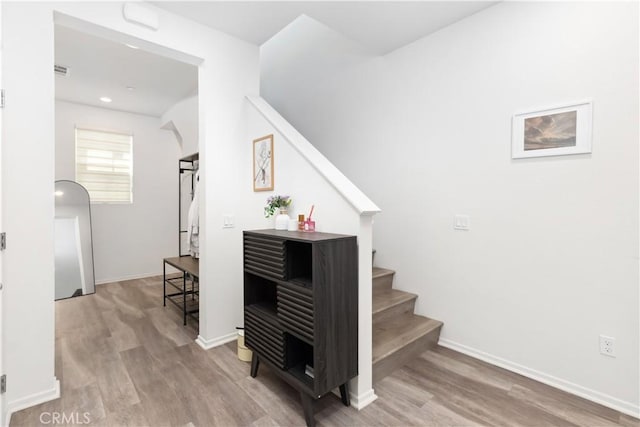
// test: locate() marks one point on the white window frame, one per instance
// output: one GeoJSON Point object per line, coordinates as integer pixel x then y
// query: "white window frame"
{"type": "Point", "coordinates": [91, 188]}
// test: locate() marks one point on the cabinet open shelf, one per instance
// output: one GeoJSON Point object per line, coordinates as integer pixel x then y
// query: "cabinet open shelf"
{"type": "Point", "coordinates": [264, 310]}
{"type": "Point", "coordinates": [305, 282]}
{"type": "Point", "coordinates": [298, 372]}
{"type": "Point", "coordinates": [299, 262]}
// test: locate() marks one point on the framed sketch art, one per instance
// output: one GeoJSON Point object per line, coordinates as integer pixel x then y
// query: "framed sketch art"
{"type": "Point", "coordinates": [555, 131]}
{"type": "Point", "coordinates": [263, 163]}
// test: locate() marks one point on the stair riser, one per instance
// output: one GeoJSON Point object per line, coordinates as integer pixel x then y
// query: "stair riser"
{"type": "Point", "coordinates": [406, 307]}
{"type": "Point", "coordinates": [383, 282]}
{"type": "Point", "coordinates": [401, 357]}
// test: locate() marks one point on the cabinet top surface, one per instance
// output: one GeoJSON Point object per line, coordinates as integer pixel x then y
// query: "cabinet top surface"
{"type": "Point", "coordinates": [304, 236]}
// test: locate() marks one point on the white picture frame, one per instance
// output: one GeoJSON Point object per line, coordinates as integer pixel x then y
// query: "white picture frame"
{"type": "Point", "coordinates": [556, 131]}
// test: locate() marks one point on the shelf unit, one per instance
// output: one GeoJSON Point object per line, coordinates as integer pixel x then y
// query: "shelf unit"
{"type": "Point", "coordinates": [301, 309]}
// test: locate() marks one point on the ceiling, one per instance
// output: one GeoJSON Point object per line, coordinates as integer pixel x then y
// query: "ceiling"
{"type": "Point", "coordinates": [380, 26]}
{"type": "Point", "coordinates": [100, 67]}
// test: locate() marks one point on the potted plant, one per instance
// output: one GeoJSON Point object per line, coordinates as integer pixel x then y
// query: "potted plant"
{"type": "Point", "coordinates": [278, 204]}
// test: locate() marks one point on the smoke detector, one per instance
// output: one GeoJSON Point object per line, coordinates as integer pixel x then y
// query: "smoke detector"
{"type": "Point", "coordinates": [61, 70]}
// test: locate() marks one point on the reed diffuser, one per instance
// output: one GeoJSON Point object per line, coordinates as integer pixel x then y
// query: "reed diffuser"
{"type": "Point", "coordinates": [309, 224]}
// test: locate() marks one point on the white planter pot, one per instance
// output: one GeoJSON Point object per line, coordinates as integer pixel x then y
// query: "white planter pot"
{"type": "Point", "coordinates": [282, 220]}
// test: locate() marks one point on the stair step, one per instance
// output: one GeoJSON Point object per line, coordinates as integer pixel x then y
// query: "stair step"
{"type": "Point", "coordinates": [399, 340]}
{"type": "Point", "coordinates": [388, 303]}
{"type": "Point", "coordinates": [382, 278]}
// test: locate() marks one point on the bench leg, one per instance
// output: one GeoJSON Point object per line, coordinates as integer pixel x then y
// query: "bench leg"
{"type": "Point", "coordinates": [184, 298]}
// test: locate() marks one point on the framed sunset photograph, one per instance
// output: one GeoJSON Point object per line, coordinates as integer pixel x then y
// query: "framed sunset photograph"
{"type": "Point", "coordinates": [555, 131]}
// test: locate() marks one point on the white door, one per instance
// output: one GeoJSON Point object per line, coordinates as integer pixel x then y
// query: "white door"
{"type": "Point", "coordinates": [2, 398]}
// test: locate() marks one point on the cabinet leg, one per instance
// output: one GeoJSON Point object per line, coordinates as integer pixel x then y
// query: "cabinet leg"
{"type": "Point", "coordinates": [307, 406]}
{"type": "Point", "coordinates": [255, 364]}
{"type": "Point", "coordinates": [344, 394]}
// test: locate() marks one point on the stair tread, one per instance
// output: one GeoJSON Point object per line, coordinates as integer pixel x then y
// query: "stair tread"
{"type": "Point", "coordinates": [393, 335]}
{"type": "Point", "coordinates": [380, 272]}
{"type": "Point", "coordinates": [387, 298]}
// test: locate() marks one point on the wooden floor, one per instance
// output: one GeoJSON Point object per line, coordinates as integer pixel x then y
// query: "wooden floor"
{"type": "Point", "coordinates": [124, 359]}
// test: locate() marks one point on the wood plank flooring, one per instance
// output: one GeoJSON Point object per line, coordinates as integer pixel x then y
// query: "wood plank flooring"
{"type": "Point", "coordinates": [125, 360]}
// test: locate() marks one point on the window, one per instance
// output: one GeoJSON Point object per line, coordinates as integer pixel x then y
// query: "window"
{"type": "Point", "coordinates": [104, 165]}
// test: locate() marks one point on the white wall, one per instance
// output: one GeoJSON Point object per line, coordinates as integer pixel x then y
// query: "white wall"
{"type": "Point", "coordinates": [293, 177]}
{"type": "Point", "coordinates": [228, 71]}
{"type": "Point", "coordinates": [184, 116]}
{"type": "Point", "coordinates": [27, 205]}
{"type": "Point", "coordinates": [129, 240]}
{"type": "Point", "coordinates": [305, 56]}
{"type": "Point", "coordinates": [551, 260]}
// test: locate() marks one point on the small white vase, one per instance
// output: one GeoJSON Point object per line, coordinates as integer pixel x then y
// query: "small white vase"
{"type": "Point", "coordinates": [282, 220]}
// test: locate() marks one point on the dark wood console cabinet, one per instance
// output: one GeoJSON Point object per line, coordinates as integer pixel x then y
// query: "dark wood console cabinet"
{"type": "Point", "coordinates": [301, 309]}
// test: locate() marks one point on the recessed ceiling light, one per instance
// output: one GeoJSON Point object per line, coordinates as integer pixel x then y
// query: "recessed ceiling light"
{"type": "Point", "coordinates": [131, 88]}
{"type": "Point", "coordinates": [59, 193]}
{"type": "Point", "coordinates": [105, 99]}
{"type": "Point", "coordinates": [131, 46]}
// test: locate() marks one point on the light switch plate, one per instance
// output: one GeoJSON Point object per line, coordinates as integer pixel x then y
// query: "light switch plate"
{"type": "Point", "coordinates": [228, 221]}
{"type": "Point", "coordinates": [461, 222]}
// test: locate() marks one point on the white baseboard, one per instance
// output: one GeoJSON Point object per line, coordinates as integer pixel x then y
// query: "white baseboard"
{"type": "Point", "coordinates": [584, 392]}
{"type": "Point", "coordinates": [215, 342]}
{"type": "Point", "coordinates": [130, 277]}
{"type": "Point", "coordinates": [359, 401]}
{"type": "Point", "coordinates": [32, 400]}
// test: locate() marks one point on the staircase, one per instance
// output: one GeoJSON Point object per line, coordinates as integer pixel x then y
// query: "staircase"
{"type": "Point", "coordinates": [399, 335]}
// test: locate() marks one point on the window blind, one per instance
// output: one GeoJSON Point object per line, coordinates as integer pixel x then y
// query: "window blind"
{"type": "Point", "coordinates": [104, 165]}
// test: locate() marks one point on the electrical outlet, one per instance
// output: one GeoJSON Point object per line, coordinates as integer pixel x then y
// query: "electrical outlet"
{"type": "Point", "coordinates": [608, 346]}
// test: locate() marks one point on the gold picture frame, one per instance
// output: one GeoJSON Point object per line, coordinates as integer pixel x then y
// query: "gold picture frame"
{"type": "Point", "coordinates": [263, 163]}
